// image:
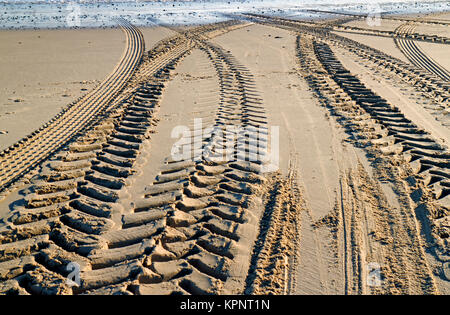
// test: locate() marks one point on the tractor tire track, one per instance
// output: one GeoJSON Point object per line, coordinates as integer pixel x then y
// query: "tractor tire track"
{"type": "Point", "coordinates": [71, 214]}
{"type": "Point", "coordinates": [428, 84]}
{"type": "Point", "coordinates": [389, 18]}
{"type": "Point", "coordinates": [211, 217]}
{"type": "Point", "coordinates": [383, 130]}
{"type": "Point", "coordinates": [403, 135]}
{"type": "Point", "coordinates": [355, 30]}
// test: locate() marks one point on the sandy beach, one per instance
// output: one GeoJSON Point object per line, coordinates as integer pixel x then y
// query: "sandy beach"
{"type": "Point", "coordinates": [44, 70]}
{"type": "Point", "coordinates": [262, 155]}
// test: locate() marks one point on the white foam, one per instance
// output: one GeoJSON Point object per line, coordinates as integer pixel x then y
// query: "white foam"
{"type": "Point", "coordinates": [81, 13]}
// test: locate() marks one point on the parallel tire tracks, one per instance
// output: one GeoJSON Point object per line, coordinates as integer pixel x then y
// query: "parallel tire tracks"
{"type": "Point", "coordinates": [416, 55]}
{"type": "Point", "coordinates": [26, 154]}
{"type": "Point", "coordinates": [404, 135]}
{"type": "Point", "coordinates": [430, 160]}
{"type": "Point", "coordinates": [183, 236]}
{"type": "Point", "coordinates": [358, 30]}
{"type": "Point", "coordinates": [206, 234]}
{"type": "Point", "coordinates": [388, 135]}
{"type": "Point", "coordinates": [427, 83]}
{"type": "Point", "coordinates": [382, 129]}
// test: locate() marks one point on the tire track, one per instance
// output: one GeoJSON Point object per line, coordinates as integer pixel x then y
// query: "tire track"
{"type": "Point", "coordinates": [402, 135]}
{"type": "Point", "coordinates": [275, 249]}
{"type": "Point", "coordinates": [356, 30]}
{"type": "Point", "coordinates": [385, 133]}
{"type": "Point", "coordinates": [210, 226]}
{"type": "Point", "coordinates": [416, 55]}
{"type": "Point", "coordinates": [72, 215]}
{"type": "Point", "coordinates": [26, 154]}
{"type": "Point", "coordinates": [428, 84]}
{"type": "Point", "coordinates": [424, 21]}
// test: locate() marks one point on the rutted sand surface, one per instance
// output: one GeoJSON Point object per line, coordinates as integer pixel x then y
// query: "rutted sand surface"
{"type": "Point", "coordinates": [316, 147]}
{"type": "Point", "coordinates": [302, 125]}
{"type": "Point", "coordinates": [402, 95]}
{"type": "Point", "coordinates": [362, 179]}
{"type": "Point", "coordinates": [326, 163]}
{"type": "Point", "coordinates": [384, 44]}
{"type": "Point", "coordinates": [44, 70]}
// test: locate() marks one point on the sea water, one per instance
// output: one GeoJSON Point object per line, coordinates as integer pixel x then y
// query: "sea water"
{"type": "Point", "coordinates": [16, 14]}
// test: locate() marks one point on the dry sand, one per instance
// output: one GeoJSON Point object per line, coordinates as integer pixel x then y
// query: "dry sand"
{"type": "Point", "coordinates": [314, 142]}
{"type": "Point", "coordinates": [352, 200]}
{"type": "Point", "coordinates": [44, 70]}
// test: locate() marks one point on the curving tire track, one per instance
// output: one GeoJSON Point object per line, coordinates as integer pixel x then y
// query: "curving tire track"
{"type": "Point", "coordinates": [208, 204]}
{"type": "Point", "coordinates": [390, 18]}
{"type": "Point", "coordinates": [415, 54]}
{"type": "Point", "coordinates": [430, 159]}
{"type": "Point", "coordinates": [354, 30]}
{"type": "Point", "coordinates": [428, 84]}
{"type": "Point", "coordinates": [26, 154]}
{"type": "Point", "coordinates": [385, 133]}
{"type": "Point", "coordinates": [182, 237]}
